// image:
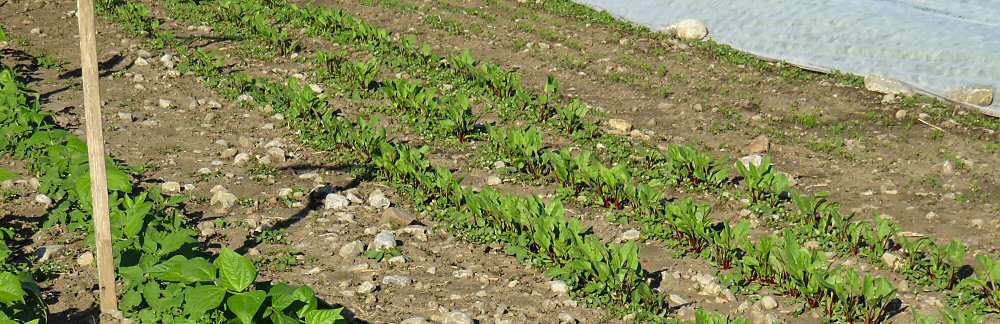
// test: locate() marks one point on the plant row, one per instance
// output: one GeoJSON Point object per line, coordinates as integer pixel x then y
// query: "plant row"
{"type": "Point", "coordinates": [164, 274]}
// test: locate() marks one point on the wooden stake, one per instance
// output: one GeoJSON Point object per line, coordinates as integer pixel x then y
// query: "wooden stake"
{"type": "Point", "coordinates": [95, 153]}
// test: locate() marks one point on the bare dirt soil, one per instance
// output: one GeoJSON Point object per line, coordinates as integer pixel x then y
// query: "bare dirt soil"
{"type": "Point", "coordinates": [928, 166]}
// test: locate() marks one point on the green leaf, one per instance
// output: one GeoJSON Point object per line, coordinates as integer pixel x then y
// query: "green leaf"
{"type": "Point", "coordinates": [180, 269]}
{"type": "Point", "coordinates": [235, 271]}
{"type": "Point", "coordinates": [10, 288]}
{"type": "Point", "coordinates": [7, 174]}
{"type": "Point", "coordinates": [324, 316]}
{"type": "Point", "coordinates": [199, 300]}
{"type": "Point", "coordinates": [245, 305]}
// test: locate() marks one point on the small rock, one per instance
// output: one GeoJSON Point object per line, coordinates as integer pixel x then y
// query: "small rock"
{"type": "Point", "coordinates": [166, 103]}
{"type": "Point", "coordinates": [141, 62]}
{"type": "Point", "coordinates": [206, 228]}
{"type": "Point", "coordinates": [768, 303]}
{"type": "Point", "coordinates": [977, 223]}
{"type": "Point", "coordinates": [241, 159]}
{"type": "Point", "coordinates": [397, 217]}
{"type": "Point", "coordinates": [891, 260]}
{"type": "Point", "coordinates": [126, 117]}
{"type": "Point", "coordinates": [462, 273]}
{"type": "Point", "coordinates": [228, 153]}
{"type": "Point", "coordinates": [499, 165]}
{"type": "Point", "coordinates": [566, 318]}
{"type": "Point", "coordinates": [689, 29]}
{"type": "Point", "coordinates": [753, 159]}
{"type": "Point", "coordinates": [416, 231]}
{"type": "Point", "coordinates": [395, 280]}
{"type": "Point", "coordinates": [493, 181]}
{"type": "Point", "coordinates": [559, 287]}
{"type": "Point", "coordinates": [399, 259]}
{"type": "Point", "coordinates": [351, 249]}
{"type": "Point", "coordinates": [979, 96]}
{"type": "Point", "coordinates": [457, 317]}
{"type": "Point", "coordinates": [276, 154]}
{"type": "Point", "coordinates": [335, 201]}
{"type": "Point", "coordinates": [85, 259]}
{"type": "Point", "coordinates": [223, 198]}
{"type": "Point", "coordinates": [170, 187]}
{"type": "Point", "coordinates": [167, 60]}
{"type": "Point", "coordinates": [43, 199]}
{"type": "Point", "coordinates": [886, 85]}
{"type": "Point", "coordinates": [677, 300]}
{"type": "Point", "coordinates": [947, 168]}
{"type": "Point", "coordinates": [367, 287]}
{"type": "Point", "coordinates": [415, 320]}
{"type": "Point", "coordinates": [384, 240]}
{"type": "Point", "coordinates": [760, 144]}
{"type": "Point", "coordinates": [931, 216]}
{"type": "Point", "coordinates": [630, 235]}
{"type": "Point", "coordinates": [901, 114]}
{"type": "Point", "coordinates": [378, 200]}
{"type": "Point", "coordinates": [620, 126]}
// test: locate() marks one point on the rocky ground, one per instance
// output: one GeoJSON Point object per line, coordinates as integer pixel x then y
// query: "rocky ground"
{"type": "Point", "coordinates": [308, 218]}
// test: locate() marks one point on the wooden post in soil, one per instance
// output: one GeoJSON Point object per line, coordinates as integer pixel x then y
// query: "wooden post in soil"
{"type": "Point", "coordinates": [95, 153]}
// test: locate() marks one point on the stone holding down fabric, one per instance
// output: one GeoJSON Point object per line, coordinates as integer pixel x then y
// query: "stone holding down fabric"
{"type": "Point", "coordinates": [939, 46]}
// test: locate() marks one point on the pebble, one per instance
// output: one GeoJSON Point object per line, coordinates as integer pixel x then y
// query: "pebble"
{"type": "Point", "coordinates": [630, 235]}
{"type": "Point", "coordinates": [241, 159]}
{"type": "Point", "coordinates": [891, 260]}
{"type": "Point", "coordinates": [367, 287]}
{"type": "Point", "coordinates": [901, 114]}
{"type": "Point", "coordinates": [85, 259]}
{"type": "Point", "coordinates": [378, 200]}
{"type": "Point", "coordinates": [223, 198]}
{"type": "Point", "coordinates": [166, 103]}
{"type": "Point", "coordinates": [753, 159]}
{"type": "Point", "coordinates": [620, 126]}
{"type": "Point", "coordinates": [415, 320]}
{"type": "Point", "coordinates": [396, 280]}
{"type": "Point", "coordinates": [462, 273]}
{"type": "Point", "coordinates": [351, 249]}
{"type": "Point", "coordinates": [127, 117]}
{"type": "Point", "coordinates": [399, 259]}
{"type": "Point", "coordinates": [559, 287]}
{"type": "Point", "coordinates": [397, 217]}
{"type": "Point", "coordinates": [384, 240]}
{"type": "Point", "coordinates": [493, 181]}
{"type": "Point", "coordinates": [931, 216]}
{"type": "Point", "coordinates": [228, 153]}
{"type": "Point", "coordinates": [499, 165]}
{"type": "Point", "coordinates": [418, 232]}
{"type": "Point", "coordinates": [457, 317]}
{"type": "Point", "coordinates": [689, 29]}
{"type": "Point", "coordinates": [43, 199]}
{"type": "Point", "coordinates": [677, 300]}
{"type": "Point", "coordinates": [566, 318]}
{"type": "Point", "coordinates": [167, 60]}
{"type": "Point", "coordinates": [768, 303]}
{"type": "Point", "coordinates": [335, 201]}
{"type": "Point", "coordinates": [947, 168]}
{"type": "Point", "coordinates": [170, 187]}
{"type": "Point", "coordinates": [276, 154]}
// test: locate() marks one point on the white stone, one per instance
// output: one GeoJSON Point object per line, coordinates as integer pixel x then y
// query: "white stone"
{"type": "Point", "coordinates": [620, 126]}
{"type": "Point", "coordinates": [886, 85]}
{"type": "Point", "coordinates": [689, 29]}
{"type": "Point", "coordinates": [367, 287]}
{"type": "Point", "coordinates": [559, 287]}
{"type": "Point", "coordinates": [457, 317]}
{"type": "Point", "coordinates": [396, 280]}
{"type": "Point", "coordinates": [631, 235]}
{"type": "Point", "coordinates": [493, 181]}
{"type": "Point", "coordinates": [43, 199]}
{"type": "Point", "coordinates": [351, 249]}
{"type": "Point", "coordinates": [378, 200]}
{"type": "Point", "coordinates": [85, 259]}
{"type": "Point", "coordinates": [979, 96]}
{"type": "Point", "coordinates": [170, 187]}
{"type": "Point", "coordinates": [415, 320]}
{"type": "Point", "coordinates": [384, 240]}
{"type": "Point", "coordinates": [335, 201]}
{"type": "Point", "coordinates": [768, 303]}
{"type": "Point", "coordinates": [141, 62]}
{"type": "Point", "coordinates": [241, 159]}
{"type": "Point", "coordinates": [566, 318]}
{"type": "Point", "coordinates": [223, 198]}
{"type": "Point", "coordinates": [166, 103]}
